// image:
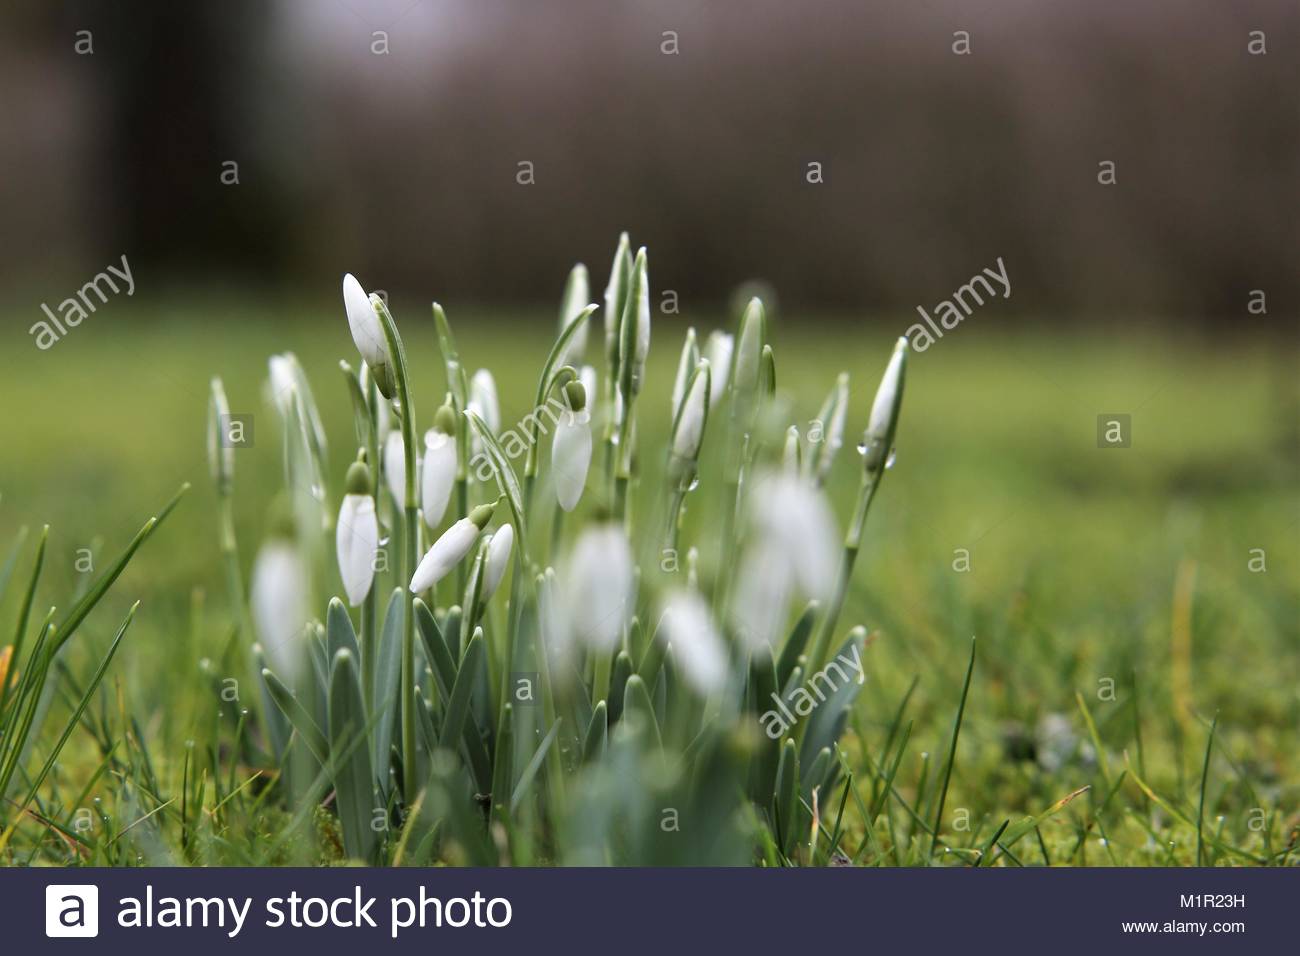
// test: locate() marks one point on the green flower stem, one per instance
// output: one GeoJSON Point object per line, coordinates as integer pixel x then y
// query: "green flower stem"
{"type": "Point", "coordinates": [409, 538]}
{"type": "Point", "coordinates": [369, 608]}
{"type": "Point", "coordinates": [852, 544]}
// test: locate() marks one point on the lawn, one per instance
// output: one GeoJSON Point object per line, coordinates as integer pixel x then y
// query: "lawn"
{"type": "Point", "coordinates": [1122, 601]}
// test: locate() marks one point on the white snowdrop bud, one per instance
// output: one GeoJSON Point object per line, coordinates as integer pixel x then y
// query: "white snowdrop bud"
{"type": "Point", "coordinates": [688, 429]}
{"type": "Point", "coordinates": [577, 293]}
{"type": "Point", "coordinates": [357, 536]}
{"type": "Point", "coordinates": [450, 549]}
{"type": "Point", "coordinates": [688, 626]}
{"type": "Point", "coordinates": [368, 333]}
{"type": "Point", "coordinates": [615, 296]}
{"type": "Point", "coordinates": [571, 448]}
{"type": "Point", "coordinates": [792, 454]}
{"type": "Point", "coordinates": [221, 453]}
{"type": "Point", "coordinates": [634, 332]}
{"type": "Point", "coordinates": [749, 350]}
{"type": "Point", "coordinates": [483, 399]}
{"type": "Point", "coordinates": [685, 369]}
{"type": "Point", "coordinates": [833, 412]}
{"type": "Point", "coordinates": [438, 471]}
{"type": "Point", "coordinates": [498, 559]}
{"type": "Point", "coordinates": [395, 467]}
{"type": "Point", "coordinates": [597, 586]}
{"type": "Point", "coordinates": [878, 439]}
{"type": "Point", "coordinates": [718, 351]}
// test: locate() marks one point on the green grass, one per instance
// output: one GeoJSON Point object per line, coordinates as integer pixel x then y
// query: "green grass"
{"type": "Point", "coordinates": [1075, 554]}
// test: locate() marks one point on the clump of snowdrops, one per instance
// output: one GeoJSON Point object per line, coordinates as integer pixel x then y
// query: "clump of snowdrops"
{"type": "Point", "coordinates": [517, 664]}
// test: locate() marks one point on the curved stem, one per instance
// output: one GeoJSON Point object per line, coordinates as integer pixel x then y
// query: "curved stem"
{"type": "Point", "coordinates": [852, 544]}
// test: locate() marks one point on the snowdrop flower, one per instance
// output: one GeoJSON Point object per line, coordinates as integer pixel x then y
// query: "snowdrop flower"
{"type": "Point", "coordinates": [221, 450]}
{"type": "Point", "coordinates": [597, 586]}
{"type": "Point", "coordinates": [634, 330]}
{"type": "Point", "coordinates": [718, 351]}
{"type": "Point", "coordinates": [794, 518]}
{"type": "Point", "coordinates": [749, 351]}
{"type": "Point", "coordinates": [283, 383]}
{"type": "Point", "coordinates": [279, 600]}
{"type": "Point", "coordinates": [792, 454]}
{"type": "Point", "coordinates": [878, 439]}
{"type": "Point", "coordinates": [688, 429]}
{"type": "Point", "coordinates": [832, 415]}
{"type": "Point", "coordinates": [571, 448]}
{"type": "Point", "coordinates": [395, 467]}
{"type": "Point", "coordinates": [685, 367]}
{"type": "Point", "coordinates": [483, 399]}
{"type": "Point", "coordinates": [498, 559]}
{"type": "Point", "coordinates": [577, 294]}
{"type": "Point", "coordinates": [687, 625]}
{"type": "Point", "coordinates": [449, 550]}
{"type": "Point", "coordinates": [614, 294]}
{"type": "Point", "coordinates": [438, 472]}
{"type": "Point", "coordinates": [587, 377]}
{"type": "Point", "coordinates": [368, 333]}
{"type": "Point", "coordinates": [357, 536]}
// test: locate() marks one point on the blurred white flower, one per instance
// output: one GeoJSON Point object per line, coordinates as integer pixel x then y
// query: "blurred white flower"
{"type": "Point", "coordinates": [761, 600]}
{"type": "Point", "coordinates": [279, 600]}
{"type": "Point", "coordinates": [571, 449]}
{"type": "Point", "coordinates": [794, 517]}
{"type": "Point", "coordinates": [577, 293]}
{"type": "Point", "coordinates": [688, 626]}
{"type": "Point", "coordinates": [597, 586]}
{"type": "Point", "coordinates": [395, 467]}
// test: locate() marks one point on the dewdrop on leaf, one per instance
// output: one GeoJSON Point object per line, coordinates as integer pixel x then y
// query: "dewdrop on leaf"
{"type": "Point", "coordinates": [357, 536]}
{"type": "Point", "coordinates": [450, 549]}
{"type": "Point", "coordinates": [368, 333]}
{"type": "Point", "coordinates": [597, 586]}
{"type": "Point", "coordinates": [688, 627]}
{"type": "Point", "coordinates": [498, 559]}
{"type": "Point", "coordinates": [571, 448]}
{"type": "Point", "coordinates": [878, 439]}
{"type": "Point", "coordinates": [438, 471]}
{"type": "Point", "coordinates": [718, 351]}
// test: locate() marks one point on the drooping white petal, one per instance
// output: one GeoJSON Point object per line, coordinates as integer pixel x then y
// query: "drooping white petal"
{"type": "Point", "coordinates": [688, 626]}
{"type": "Point", "coordinates": [367, 333]}
{"type": "Point", "coordinates": [356, 539]}
{"type": "Point", "coordinates": [483, 399]}
{"type": "Point", "coordinates": [498, 559]}
{"type": "Point", "coordinates": [718, 351]}
{"type": "Point", "coordinates": [795, 519]}
{"type": "Point", "coordinates": [395, 467]}
{"type": "Point", "coordinates": [447, 552]}
{"type": "Point", "coordinates": [571, 457]}
{"type": "Point", "coordinates": [437, 475]}
{"type": "Point", "coordinates": [597, 586]}
{"type": "Point", "coordinates": [279, 600]}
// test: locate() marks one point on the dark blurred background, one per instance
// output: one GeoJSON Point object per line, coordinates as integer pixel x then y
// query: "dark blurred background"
{"type": "Point", "coordinates": [385, 138]}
